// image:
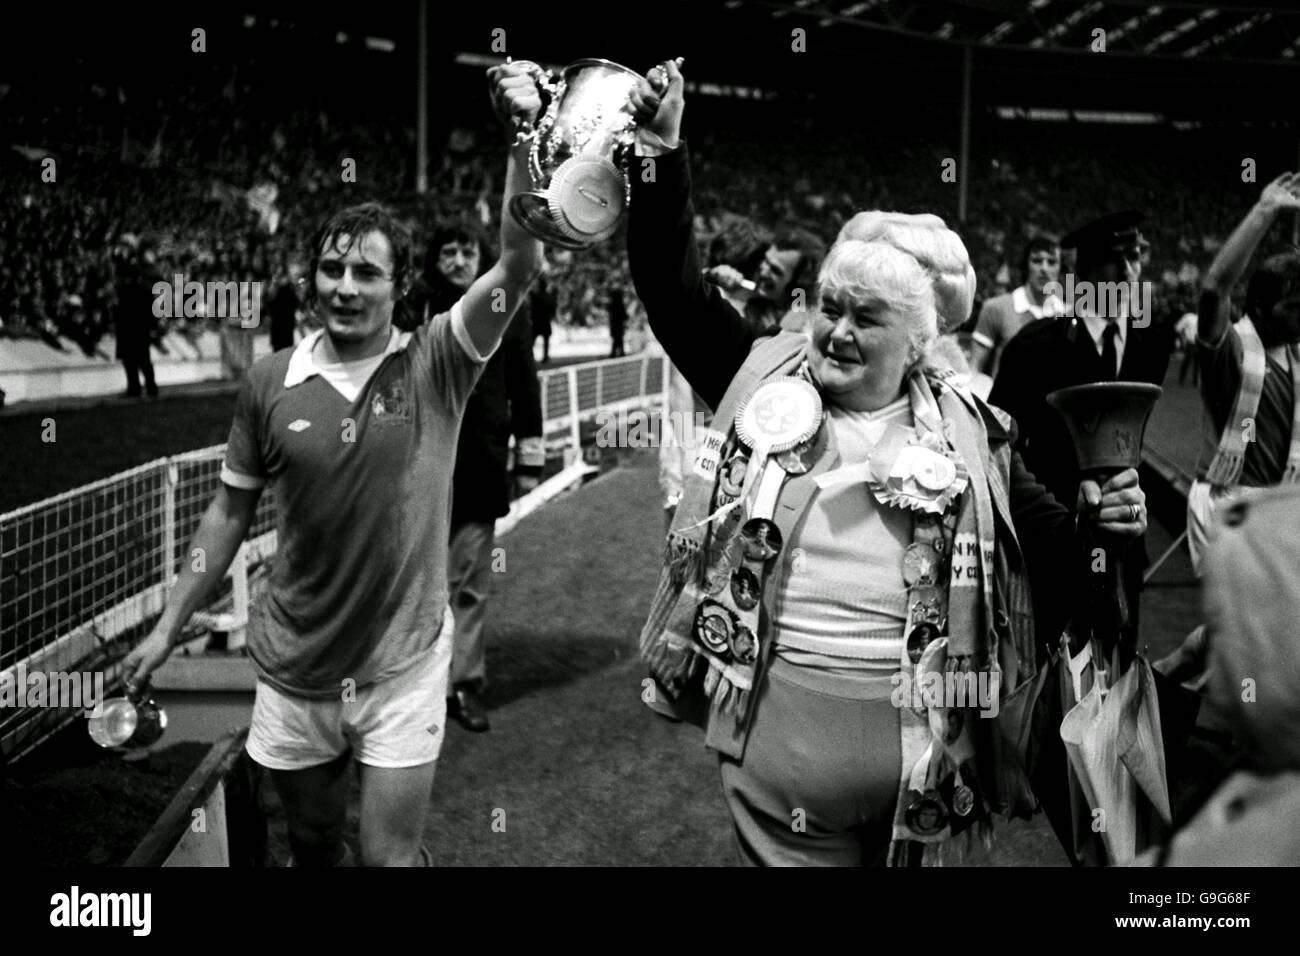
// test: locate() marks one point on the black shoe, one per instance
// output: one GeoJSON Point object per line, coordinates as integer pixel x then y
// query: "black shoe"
{"type": "Point", "coordinates": [468, 709]}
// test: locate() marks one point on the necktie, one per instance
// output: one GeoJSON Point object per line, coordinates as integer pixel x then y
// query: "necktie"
{"type": "Point", "coordinates": [1109, 362]}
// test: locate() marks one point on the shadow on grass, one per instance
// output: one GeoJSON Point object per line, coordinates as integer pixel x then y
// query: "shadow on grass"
{"type": "Point", "coordinates": [519, 663]}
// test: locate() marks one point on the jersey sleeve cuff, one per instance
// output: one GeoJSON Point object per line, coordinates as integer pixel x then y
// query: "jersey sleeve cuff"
{"type": "Point", "coordinates": [461, 332]}
{"type": "Point", "coordinates": [243, 482]}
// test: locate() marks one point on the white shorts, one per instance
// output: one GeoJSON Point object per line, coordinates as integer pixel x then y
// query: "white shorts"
{"type": "Point", "coordinates": [395, 723]}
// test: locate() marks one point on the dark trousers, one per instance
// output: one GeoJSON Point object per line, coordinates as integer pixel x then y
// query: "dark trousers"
{"type": "Point", "coordinates": [469, 581]}
{"type": "Point", "coordinates": [135, 362]}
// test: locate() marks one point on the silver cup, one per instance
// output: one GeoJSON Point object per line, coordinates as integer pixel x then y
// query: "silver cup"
{"type": "Point", "coordinates": [579, 152]}
{"type": "Point", "coordinates": [134, 721]}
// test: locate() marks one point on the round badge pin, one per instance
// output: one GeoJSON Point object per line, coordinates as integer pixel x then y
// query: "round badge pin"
{"type": "Point", "coordinates": [718, 576]}
{"type": "Point", "coordinates": [731, 479]}
{"type": "Point", "coordinates": [963, 800]}
{"type": "Point", "coordinates": [713, 627]}
{"type": "Point", "coordinates": [798, 460]}
{"type": "Point", "coordinates": [918, 565]}
{"type": "Point", "coordinates": [933, 471]}
{"type": "Point", "coordinates": [918, 639]}
{"type": "Point", "coordinates": [926, 814]}
{"type": "Point", "coordinates": [743, 646]}
{"type": "Point", "coordinates": [761, 539]}
{"type": "Point", "coordinates": [744, 589]}
{"type": "Point", "coordinates": [781, 414]}
{"type": "Point", "coordinates": [956, 721]}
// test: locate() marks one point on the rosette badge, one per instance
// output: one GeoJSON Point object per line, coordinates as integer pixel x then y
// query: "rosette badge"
{"type": "Point", "coordinates": [578, 155]}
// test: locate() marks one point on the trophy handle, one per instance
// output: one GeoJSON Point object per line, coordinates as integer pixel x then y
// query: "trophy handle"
{"type": "Point", "coordinates": [524, 130]}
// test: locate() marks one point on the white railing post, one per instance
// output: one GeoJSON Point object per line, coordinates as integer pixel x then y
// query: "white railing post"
{"type": "Point", "coordinates": [236, 637]}
{"type": "Point", "coordinates": [645, 368]}
{"type": "Point", "coordinates": [543, 382]}
{"type": "Point", "coordinates": [171, 475]}
{"type": "Point", "coordinates": [575, 429]}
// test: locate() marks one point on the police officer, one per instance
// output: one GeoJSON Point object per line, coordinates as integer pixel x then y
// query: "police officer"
{"type": "Point", "coordinates": [1106, 334]}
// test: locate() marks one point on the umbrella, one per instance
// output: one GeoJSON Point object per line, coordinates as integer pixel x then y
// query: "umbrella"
{"type": "Point", "coordinates": [1030, 721]}
{"type": "Point", "coordinates": [1113, 739]}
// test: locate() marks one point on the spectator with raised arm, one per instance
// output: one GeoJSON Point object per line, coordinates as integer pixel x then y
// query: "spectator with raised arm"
{"type": "Point", "coordinates": [1250, 369]}
{"type": "Point", "coordinates": [852, 523]}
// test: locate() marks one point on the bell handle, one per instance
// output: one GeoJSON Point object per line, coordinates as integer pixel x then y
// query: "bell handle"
{"type": "Point", "coordinates": [1102, 605]}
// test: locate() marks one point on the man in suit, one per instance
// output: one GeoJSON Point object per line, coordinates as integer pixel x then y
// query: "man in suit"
{"type": "Point", "coordinates": [505, 401]}
{"type": "Point", "coordinates": [134, 322]}
{"type": "Point", "coordinates": [1105, 335]}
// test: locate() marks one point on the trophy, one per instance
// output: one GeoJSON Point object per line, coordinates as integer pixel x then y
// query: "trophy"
{"type": "Point", "coordinates": [578, 155]}
{"type": "Point", "coordinates": [133, 721]}
{"type": "Point", "coordinates": [1107, 422]}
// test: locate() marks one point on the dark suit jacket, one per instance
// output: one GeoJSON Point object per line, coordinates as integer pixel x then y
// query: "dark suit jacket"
{"type": "Point", "coordinates": [506, 400]}
{"type": "Point", "coordinates": [1056, 353]}
{"type": "Point", "coordinates": [708, 341]}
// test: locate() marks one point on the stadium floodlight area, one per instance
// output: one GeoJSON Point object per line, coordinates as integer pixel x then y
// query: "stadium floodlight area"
{"type": "Point", "coordinates": [84, 574]}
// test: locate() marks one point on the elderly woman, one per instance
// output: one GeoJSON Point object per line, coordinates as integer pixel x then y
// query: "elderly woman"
{"type": "Point", "coordinates": [847, 581]}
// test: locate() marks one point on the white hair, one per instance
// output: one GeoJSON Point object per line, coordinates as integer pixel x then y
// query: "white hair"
{"type": "Point", "coordinates": [937, 248]}
{"type": "Point", "coordinates": [879, 270]}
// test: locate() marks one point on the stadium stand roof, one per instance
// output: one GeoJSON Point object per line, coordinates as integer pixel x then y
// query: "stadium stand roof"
{"type": "Point", "coordinates": [1239, 30]}
{"type": "Point", "coordinates": [1228, 61]}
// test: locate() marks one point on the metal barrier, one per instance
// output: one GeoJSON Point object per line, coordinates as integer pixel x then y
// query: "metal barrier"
{"type": "Point", "coordinates": [574, 394]}
{"type": "Point", "coordinates": [83, 574]}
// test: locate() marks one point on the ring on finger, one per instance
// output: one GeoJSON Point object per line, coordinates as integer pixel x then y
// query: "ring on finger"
{"type": "Point", "coordinates": [1134, 512]}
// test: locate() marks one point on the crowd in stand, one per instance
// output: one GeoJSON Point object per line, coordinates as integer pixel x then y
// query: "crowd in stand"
{"type": "Point", "coordinates": [221, 180]}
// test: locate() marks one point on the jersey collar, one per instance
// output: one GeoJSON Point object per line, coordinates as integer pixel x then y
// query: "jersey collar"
{"type": "Point", "coordinates": [302, 364]}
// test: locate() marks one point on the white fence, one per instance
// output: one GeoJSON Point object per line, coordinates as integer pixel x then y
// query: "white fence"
{"type": "Point", "coordinates": [83, 574]}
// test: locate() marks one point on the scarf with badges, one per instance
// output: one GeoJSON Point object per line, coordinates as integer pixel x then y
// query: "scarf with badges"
{"type": "Point", "coordinates": [1225, 467]}
{"type": "Point", "coordinates": [722, 550]}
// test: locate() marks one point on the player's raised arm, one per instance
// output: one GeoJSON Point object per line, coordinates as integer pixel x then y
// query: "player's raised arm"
{"type": "Point", "coordinates": [495, 295]}
{"type": "Point", "coordinates": [1230, 264]}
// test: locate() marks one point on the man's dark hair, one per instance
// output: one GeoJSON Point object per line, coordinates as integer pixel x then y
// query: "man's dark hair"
{"type": "Point", "coordinates": [1036, 244]}
{"type": "Point", "coordinates": [440, 294]}
{"type": "Point", "coordinates": [356, 222]}
{"type": "Point", "coordinates": [811, 252]}
{"type": "Point", "coordinates": [1276, 279]}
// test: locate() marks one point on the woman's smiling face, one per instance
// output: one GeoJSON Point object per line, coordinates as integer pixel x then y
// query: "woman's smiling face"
{"type": "Point", "coordinates": [861, 350]}
{"type": "Point", "coordinates": [875, 318]}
